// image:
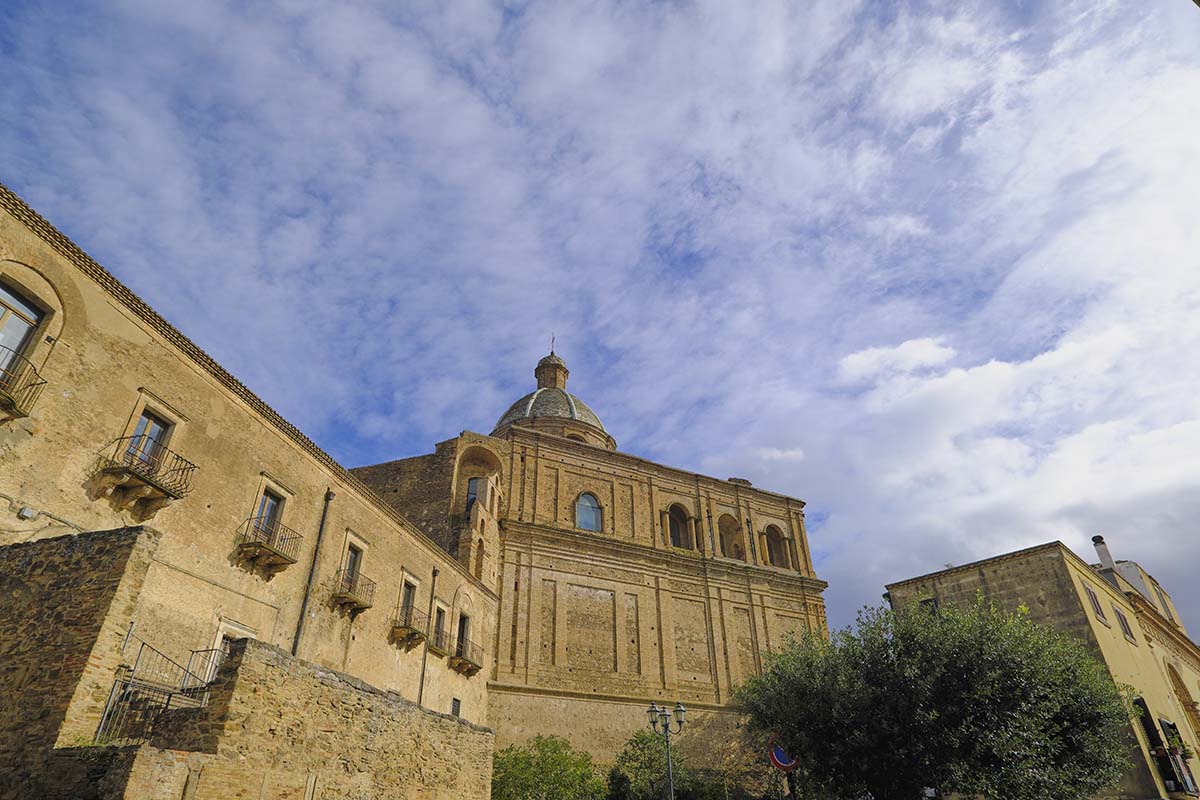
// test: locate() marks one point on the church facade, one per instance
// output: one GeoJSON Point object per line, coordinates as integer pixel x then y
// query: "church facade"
{"type": "Point", "coordinates": [185, 574]}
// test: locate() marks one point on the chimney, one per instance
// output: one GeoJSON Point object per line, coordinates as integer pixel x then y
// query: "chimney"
{"type": "Point", "coordinates": [1106, 559]}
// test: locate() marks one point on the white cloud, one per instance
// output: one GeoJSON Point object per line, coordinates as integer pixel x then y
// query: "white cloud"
{"type": "Point", "coordinates": [931, 267]}
{"type": "Point", "coordinates": [905, 357]}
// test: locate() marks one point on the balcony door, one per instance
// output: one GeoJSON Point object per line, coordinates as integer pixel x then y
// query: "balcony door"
{"type": "Point", "coordinates": [148, 440]}
{"type": "Point", "coordinates": [18, 320]}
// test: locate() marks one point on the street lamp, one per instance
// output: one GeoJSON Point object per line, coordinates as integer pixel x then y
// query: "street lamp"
{"type": "Point", "coordinates": [661, 717]}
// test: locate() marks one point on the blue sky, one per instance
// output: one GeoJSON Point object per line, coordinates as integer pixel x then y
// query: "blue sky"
{"type": "Point", "coordinates": [931, 266]}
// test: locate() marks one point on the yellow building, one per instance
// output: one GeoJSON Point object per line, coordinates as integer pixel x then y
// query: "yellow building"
{"type": "Point", "coordinates": [1126, 618]}
{"type": "Point", "coordinates": [183, 570]}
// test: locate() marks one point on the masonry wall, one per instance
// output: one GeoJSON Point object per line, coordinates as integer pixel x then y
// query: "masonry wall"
{"type": "Point", "coordinates": [279, 728]}
{"type": "Point", "coordinates": [593, 625]}
{"type": "Point", "coordinates": [65, 604]}
{"type": "Point", "coordinates": [105, 356]}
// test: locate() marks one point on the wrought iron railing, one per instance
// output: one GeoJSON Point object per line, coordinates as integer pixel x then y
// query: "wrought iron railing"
{"type": "Point", "coordinates": [356, 587]}
{"type": "Point", "coordinates": [203, 666]}
{"type": "Point", "coordinates": [20, 383]}
{"type": "Point", "coordinates": [439, 640]}
{"type": "Point", "coordinates": [152, 684]}
{"type": "Point", "coordinates": [154, 463]}
{"type": "Point", "coordinates": [411, 618]}
{"type": "Point", "coordinates": [468, 651]}
{"type": "Point", "coordinates": [267, 533]}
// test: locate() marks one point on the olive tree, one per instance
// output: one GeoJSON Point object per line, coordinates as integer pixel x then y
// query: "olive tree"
{"type": "Point", "coordinates": [974, 701]}
{"type": "Point", "coordinates": [547, 768]}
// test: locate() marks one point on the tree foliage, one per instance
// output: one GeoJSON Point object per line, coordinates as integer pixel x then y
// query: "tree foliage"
{"type": "Point", "coordinates": [974, 701]}
{"type": "Point", "coordinates": [547, 768]}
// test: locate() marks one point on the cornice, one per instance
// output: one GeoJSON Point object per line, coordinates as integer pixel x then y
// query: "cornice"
{"type": "Point", "coordinates": [531, 436]}
{"type": "Point", "coordinates": [37, 224]}
{"type": "Point", "coordinates": [1154, 623]}
{"type": "Point", "coordinates": [618, 554]}
{"type": "Point", "coordinates": [1013, 556]}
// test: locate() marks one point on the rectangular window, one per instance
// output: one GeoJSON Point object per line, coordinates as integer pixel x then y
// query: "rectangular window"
{"type": "Point", "coordinates": [408, 597]}
{"type": "Point", "coordinates": [1123, 621]}
{"type": "Point", "coordinates": [929, 603]}
{"type": "Point", "coordinates": [353, 561]}
{"type": "Point", "coordinates": [1095, 601]}
{"type": "Point", "coordinates": [270, 506]}
{"type": "Point", "coordinates": [149, 439]}
{"type": "Point", "coordinates": [456, 707]}
{"type": "Point", "coordinates": [473, 491]}
{"type": "Point", "coordinates": [439, 623]}
{"type": "Point", "coordinates": [464, 634]}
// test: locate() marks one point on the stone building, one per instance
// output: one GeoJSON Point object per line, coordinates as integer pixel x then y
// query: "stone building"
{"type": "Point", "coordinates": [185, 573]}
{"type": "Point", "coordinates": [1129, 622]}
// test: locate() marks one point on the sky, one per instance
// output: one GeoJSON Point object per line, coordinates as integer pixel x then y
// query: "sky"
{"type": "Point", "coordinates": [932, 267]}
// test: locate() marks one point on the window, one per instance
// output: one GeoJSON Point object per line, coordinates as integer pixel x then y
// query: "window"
{"type": "Point", "coordinates": [479, 560]}
{"type": "Point", "coordinates": [439, 625]}
{"type": "Point", "coordinates": [464, 634]}
{"type": "Point", "coordinates": [928, 603]}
{"type": "Point", "coordinates": [270, 506]}
{"type": "Point", "coordinates": [475, 487]}
{"type": "Point", "coordinates": [149, 439]}
{"type": "Point", "coordinates": [408, 598]}
{"type": "Point", "coordinates": [1095, 601]}
{"type": "Point", "coordinates": [18, 320]}
{"type": "Point", "coordinates": [776, 547]}
{"type": "Point", "coordinates": [455, 706]}
{"type": "Point", "coordinates": [1124, 623]}
{"type": "Point", "coordinates": [353, 561]}
{"type": "Point", "coordinates": [588, 514]}
{"type": "Point", "coordinates": [677, 524]}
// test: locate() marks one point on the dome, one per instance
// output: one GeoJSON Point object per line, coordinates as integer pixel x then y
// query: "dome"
{"type": "Point", "coordinates": [550, 402]}
{"type": "Point", "coordinates": [553, 409]}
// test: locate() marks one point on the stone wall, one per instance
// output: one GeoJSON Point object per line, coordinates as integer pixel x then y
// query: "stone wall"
{"type": "Point", "coordinates": [420, 488]}
{"type": "Point", "coordinates": [65, 604]}
{"type": "Point", "coordinates": [278, 728]}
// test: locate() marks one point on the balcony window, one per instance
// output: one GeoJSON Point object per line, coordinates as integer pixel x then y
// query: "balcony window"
{"type": "Point", "coordinates": [352, 589]}
{"type": "Point", "coordinates": [265, 540]}
{"type": "Point", "coordinates": [467, 658]}
{"type": "Point", "coordinates": [140, 473]}
{"type": "Point", "coordinates": [438, 643]}
{"type": "Point", "coordinates": [20, 383]}
{"type": "Point", "coordinates": [410, 625]}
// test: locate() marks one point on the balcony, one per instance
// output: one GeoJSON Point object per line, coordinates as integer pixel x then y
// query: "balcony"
{"type": "Point", "coordinates": [439, 642]}
{"type": "Point", "coordinates": [20, 384]}
{"type": "Point", "coordinates": [268, 544]}
{"type": "Point", "coordinates": [467, 657]}
{"type": "Point", "coordinates": [353, 590]}
{"type": "Point", "coordinates": [142, 475]}
{"type": "Point", "coordinates": [409, 627]}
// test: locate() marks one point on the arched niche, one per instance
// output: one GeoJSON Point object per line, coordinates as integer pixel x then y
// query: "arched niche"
{"type": "Point", "coordinates": [731, 540]}
{"type": "Point", "coordinates": [776, 546]}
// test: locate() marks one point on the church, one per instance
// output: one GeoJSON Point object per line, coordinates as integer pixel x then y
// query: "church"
{"type": "Point", "coordinates": [197, 601]}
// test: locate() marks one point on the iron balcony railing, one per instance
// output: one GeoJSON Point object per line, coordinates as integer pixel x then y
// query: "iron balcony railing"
{"type": "Point", "coordinates": [354, 587]}
{"type": "Point", "coordinates": [20, 383]}
{"type": "Point", "coordinates": [412, 619]}
{"type": "Point", "coordinates": [469, 652]}
{"type": "Point", "coordinates": [153, 463]}
{"type": "Point", "coordinates": [154, 683]}
{"type": "Point", "coordinates": [439, 641]}
{"type": "Point", "coordinates": [265, 534]}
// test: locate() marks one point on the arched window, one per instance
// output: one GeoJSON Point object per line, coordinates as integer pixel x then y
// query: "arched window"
{"type": "Point", "coordinates": [19, 318]}
{"type": "Point", "coordinates": [776, 547]}
{"type": "Point", "coordinates": [479, 560]}
{"type": "Point", "coordinates": [575, 437]}
{"type": "Point", "coordinates": [731, 538]}
{"type": "Point", "coordinates": [588, 514]}
{"type": "Point", "coordinates": [677, 524]}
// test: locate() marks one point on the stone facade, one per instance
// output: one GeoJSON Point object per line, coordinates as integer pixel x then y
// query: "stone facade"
{"type": "Point", "coordinates": [1133, 629]}
{"type": "Point", "coordinates": [461, 580]}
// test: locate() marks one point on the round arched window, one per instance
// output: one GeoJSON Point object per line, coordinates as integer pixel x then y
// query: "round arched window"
{"type": "Point", "coordinates": [588, 514]}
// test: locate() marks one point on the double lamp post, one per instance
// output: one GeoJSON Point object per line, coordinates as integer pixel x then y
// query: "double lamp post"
{"type": "Point", "coordinates": [660, 721]}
